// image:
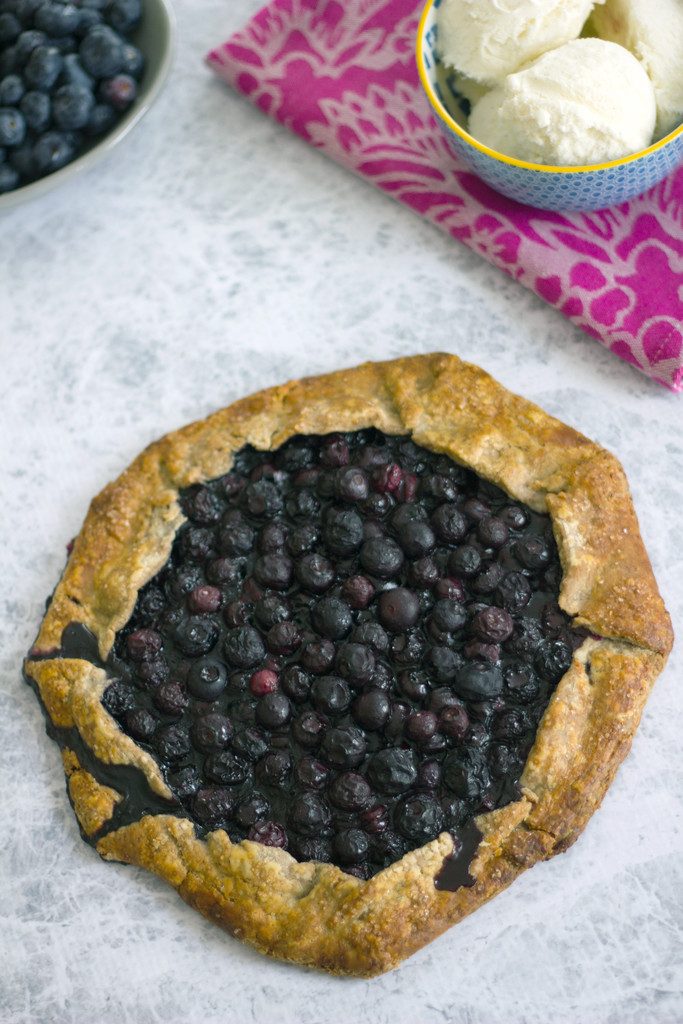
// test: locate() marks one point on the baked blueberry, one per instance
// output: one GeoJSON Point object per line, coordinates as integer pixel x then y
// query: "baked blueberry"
{"type": "Point", "coordinates": [332, 618]}
{"type": "Point", "coordinates": [393, 771]}
{"type": "Point", "coordinates": [371, 710]}
{"type": "Point", "coordinates": [382, 557]}
{"type": "Point", "coordinates": [212, 732]}
{"type": "Point", "coordinates": [419, 818]}
{"type": "Point", "coordinates": [478, 680]}
{"type": "Point", "coordinates": [269, 833]}
{"type": "Point", "coordinates": [315, 573]}
{"type": "Point", "coordinates": [330, 695]}
{"type": "Point", "coordinates": [344, 747]}
{"type": "Point", "coordinates": [273, 711]}
{"type": "Point", "coordinates": [172, 742]}
{"type": "Point", "coordinates": [318, 656]}
{"type": "Point", "coordinates": [213, 805]}
{"type": "Point", "coordinates": [196, 636]}
{"type": "Point", "coordinates": [226, 769]}
{"type": "Point", "coordinates": [311, 773]}
{"type": "Point", "coordinates": [243, 647]}
{"type": "Point", "coordinates": [398, 609]}
{"type": "Point", "coordinates": [351, 846]}
{"type": "Point", "coordinates": [343, 531]}
{"type": "Point", "coordinates": [308, 814]}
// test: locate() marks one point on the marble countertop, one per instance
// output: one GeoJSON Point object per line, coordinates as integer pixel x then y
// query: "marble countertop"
{"type": "Point", "coordinates": [211, 255]}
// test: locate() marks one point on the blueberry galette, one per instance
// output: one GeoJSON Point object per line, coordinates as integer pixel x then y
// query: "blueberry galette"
{"type": "Point", "coordinates": [345, 658]}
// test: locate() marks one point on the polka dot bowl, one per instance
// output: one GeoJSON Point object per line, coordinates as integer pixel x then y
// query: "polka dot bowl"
{"type": "Point", "coordinates": [550, 188]}
{"type": "Point", "coordinates": [155, 37]}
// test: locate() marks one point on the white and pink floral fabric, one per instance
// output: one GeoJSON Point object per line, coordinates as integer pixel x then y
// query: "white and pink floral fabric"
{"type": "Point", "coordinates": [342, 75]}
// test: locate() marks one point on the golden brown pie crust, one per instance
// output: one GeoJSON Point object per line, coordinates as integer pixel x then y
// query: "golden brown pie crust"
{"type": "Point", "coordinates": [315, 914]}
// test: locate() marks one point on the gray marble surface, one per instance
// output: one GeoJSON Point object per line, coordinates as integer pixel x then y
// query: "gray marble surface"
{"type": "Point", "coordinates": [210, 256]}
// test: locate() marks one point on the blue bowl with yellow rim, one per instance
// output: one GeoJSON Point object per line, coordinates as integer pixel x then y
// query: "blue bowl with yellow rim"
{"type": "Point", "coordinates": [550, 188]}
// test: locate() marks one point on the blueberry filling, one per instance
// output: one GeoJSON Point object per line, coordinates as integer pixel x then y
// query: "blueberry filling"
{"type": "Point", "coordinates": [348, 651]}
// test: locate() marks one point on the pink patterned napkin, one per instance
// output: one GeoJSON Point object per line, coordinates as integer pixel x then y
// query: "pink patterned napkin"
{"type": "Point", "coordinates": [342, 75]}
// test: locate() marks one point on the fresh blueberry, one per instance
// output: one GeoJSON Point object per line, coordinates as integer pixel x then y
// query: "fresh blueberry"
{"type": "Point", "coordinates": [72, 106]}
{"type": "Point", "coordinates": [43, 67]}
{"type": "Point", "coordinates": [10, 27]}
{"type": "Point", "coordinates": [124, 15]}
{"type": "Point", "coordinates": [102, 52]}
{"type": "Point", "coordinates": [73, 73]}
{"type": "Point", "coordinates": [88, 20]}
{"type": "Point", "coordinates": [9, 61]}
{"type": "Point", "coordinates": [11, 91]}
{"type": "Point", "coordinates": [12, 127]}
{"type": "Point", "coordinates": [57, 19]}
{"type": "Point", "coordinates": [119, 91]}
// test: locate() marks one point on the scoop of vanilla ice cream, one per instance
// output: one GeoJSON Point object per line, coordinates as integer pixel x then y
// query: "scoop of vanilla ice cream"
{"type": "Point", "coordinates": [586, 102]}
{"type": "Point", "coordinates": [489, 39]}
{"type": "Point", "coordinates": [653, 31]}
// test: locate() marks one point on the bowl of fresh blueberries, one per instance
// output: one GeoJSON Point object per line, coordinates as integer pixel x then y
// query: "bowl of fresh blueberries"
{"type": "Point", "coordinates": [75, 77]}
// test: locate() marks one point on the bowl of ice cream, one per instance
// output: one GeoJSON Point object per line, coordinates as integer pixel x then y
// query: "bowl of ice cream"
{"type": "Point", "coordinates": [545, 111]}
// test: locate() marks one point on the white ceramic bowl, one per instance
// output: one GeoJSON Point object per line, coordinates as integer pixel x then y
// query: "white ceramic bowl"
{"type": "Point", "coordinates": [155, 38]}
